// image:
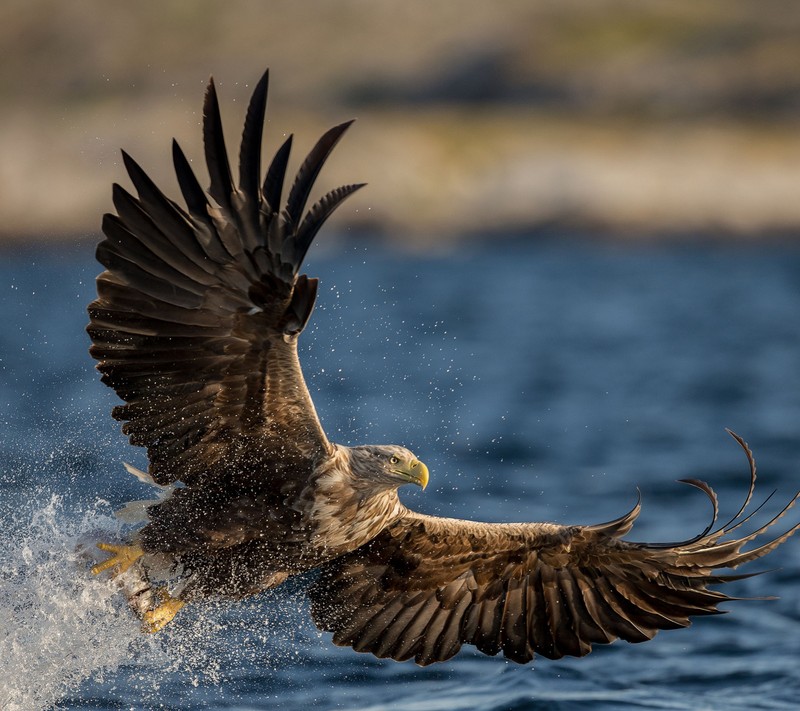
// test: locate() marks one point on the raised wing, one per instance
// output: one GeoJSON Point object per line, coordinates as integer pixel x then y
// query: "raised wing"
{"type": "Point", "coordinates": [426, 585]}
{"type": "Point", "coordinates": [198, 312]}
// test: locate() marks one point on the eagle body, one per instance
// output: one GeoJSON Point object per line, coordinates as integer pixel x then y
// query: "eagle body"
{"type": "Point", "coordinates": [240, 534]}
{"type": "Point", "coordinates": [195, 327]}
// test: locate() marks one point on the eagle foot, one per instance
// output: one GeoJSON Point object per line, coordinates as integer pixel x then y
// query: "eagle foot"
{"type": "Point", "coordinates": [161, 615]}
{"type": "Point", "coordinates": [123, 557]}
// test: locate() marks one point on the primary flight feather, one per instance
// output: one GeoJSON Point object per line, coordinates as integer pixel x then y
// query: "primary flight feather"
{"type": "Point", "coordinates": [196, 326]}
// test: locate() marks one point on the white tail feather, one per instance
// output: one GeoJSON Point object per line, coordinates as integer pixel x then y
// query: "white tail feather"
{"type": "Point", "coordinates": [136, 511]}
{"type": "Point", "coordinates": [143, 477]}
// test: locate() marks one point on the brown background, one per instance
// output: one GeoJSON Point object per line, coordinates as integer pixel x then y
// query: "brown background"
{"type": "Point", "coordinates": [633, 119]}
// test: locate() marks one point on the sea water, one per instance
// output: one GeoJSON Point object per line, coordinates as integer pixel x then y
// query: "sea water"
{"type": "Point", "coordinates": [538, 380]}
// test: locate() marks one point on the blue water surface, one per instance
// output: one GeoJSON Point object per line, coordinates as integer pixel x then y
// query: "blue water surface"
{"type": "Point", "coordinates": [539, 380]}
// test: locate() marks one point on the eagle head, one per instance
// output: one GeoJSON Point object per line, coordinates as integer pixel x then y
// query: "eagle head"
{"type": "Point", "coordinates": [388, 465]}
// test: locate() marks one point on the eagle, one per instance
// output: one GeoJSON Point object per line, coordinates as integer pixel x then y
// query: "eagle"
{"type": "Point", "coordinates": [196, 327]}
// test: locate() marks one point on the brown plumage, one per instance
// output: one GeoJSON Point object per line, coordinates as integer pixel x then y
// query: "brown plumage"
{"type": "Point", "coordinates": [196, 326]}
{"type": "Point", "coordinates": [427, 585]}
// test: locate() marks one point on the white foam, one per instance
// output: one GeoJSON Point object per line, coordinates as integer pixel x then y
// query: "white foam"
{"type": "Point", "coordinates": [59, 625]}
{"type": "Point", "coordinates": [65, 631]}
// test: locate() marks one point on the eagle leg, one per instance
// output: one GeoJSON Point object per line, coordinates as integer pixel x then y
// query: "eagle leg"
{"type": "Point", "coordinates": [123, 557]}
{"type": "Point", "coordinates": [162, 614]}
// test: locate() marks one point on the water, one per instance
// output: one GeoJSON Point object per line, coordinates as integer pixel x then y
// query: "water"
{"type": "Point", "coordinates": [538, 381]}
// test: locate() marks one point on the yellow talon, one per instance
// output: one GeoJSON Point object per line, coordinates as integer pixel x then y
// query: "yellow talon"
{"type": "Point", "coordinates": [157, 618]}
{"type": "Point", "coordinates": [123, 558]}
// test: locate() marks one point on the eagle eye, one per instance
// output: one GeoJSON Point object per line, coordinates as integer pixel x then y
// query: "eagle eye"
{"type": "Point", "coordinates": [394, 460]}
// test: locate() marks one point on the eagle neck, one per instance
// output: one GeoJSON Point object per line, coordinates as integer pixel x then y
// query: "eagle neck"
{"type": "Point", "coordinates": [347, 510]}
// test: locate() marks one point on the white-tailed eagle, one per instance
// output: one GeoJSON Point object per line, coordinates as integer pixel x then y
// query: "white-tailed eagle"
{"type": "Point", "coordinates": [196, 326]}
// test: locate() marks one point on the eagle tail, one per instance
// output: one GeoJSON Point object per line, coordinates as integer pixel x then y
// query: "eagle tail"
{"type": "Point", "coordinates": [136, 511]}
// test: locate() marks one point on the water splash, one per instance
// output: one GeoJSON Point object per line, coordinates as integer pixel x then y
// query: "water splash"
{"type": "Point", "coordinates": [64, 631]}
{"type": "Point", "coordinates": [59, 625]}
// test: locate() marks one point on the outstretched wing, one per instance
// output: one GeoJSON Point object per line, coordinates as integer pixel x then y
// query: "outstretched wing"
{"type": "Point", "coordinates": [198, 312]}
{"type": "Point", "coordinates": [426, 585]}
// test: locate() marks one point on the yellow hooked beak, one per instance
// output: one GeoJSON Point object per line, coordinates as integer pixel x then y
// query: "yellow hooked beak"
{"type": "Point", "coordinates": [415, 471]}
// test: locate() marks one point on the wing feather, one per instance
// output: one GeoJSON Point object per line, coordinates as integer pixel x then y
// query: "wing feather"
{"type": "Point", "coordinates": [250, 149]}
{"type": "Point", "coordinates": [586, 627]}
{"type": "Point", "coordinates": [196, 202]}
{"type": "Point", "coordinates": [309, 170]}
{"type": "Point", "coordinates": [515, 643]}
{"type": "Point", "coordinates": [317, 215]}
{"type": "Point", "coordinates": [276, 174]}
{"type": "Point", "coordinates": [219, 169]}
{"type": "Point", "coordinates": [538, 623]}
{"type": "Point", "coordinates": [199, 308]}
{"type": "Point", "coordinates": [176, 240]}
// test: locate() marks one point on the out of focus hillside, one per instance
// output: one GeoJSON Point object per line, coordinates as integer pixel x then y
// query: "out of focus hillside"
{"type": "Point", "coordinates": [638, 119]}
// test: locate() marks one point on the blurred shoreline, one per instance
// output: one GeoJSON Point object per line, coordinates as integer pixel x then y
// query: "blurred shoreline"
{"type": "Point", "coordinates": [441, 172]}
{"type": "Point", "coordinates": [630, 120]}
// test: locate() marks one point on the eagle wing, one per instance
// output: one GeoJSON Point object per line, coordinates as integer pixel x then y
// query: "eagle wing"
{"type": "Point", "coordinates": [198, 312]}
{"type": "Point", "coordinates": [427, 585]}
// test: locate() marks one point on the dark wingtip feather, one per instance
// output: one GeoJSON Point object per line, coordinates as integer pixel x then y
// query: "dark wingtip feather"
{"type": "Point", "coordinates": [122, 199]}
{"type": "Point", "coordinates": [316, 217]}
{"type": "Point", "coordinates": [309, 170]}
{"type": "Point", "coordinates": [250, 150]}
{"type": "Point", "coordinates": [130, 164]}
{"type": "Point", "coordinates": [145, 187]}
{"type": "Point", "coordinates": [191, 189]}
{"type": "Point", "coordinates": [712, 497]}
{"type": "Point", "coordinates": [620, 526]}
{"type": "Point", "coordinates": [219, 168]}
{"type": "Point", "coordinates": [276, 173]}
{"type": "Point", "coordinates": [752, 462]}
